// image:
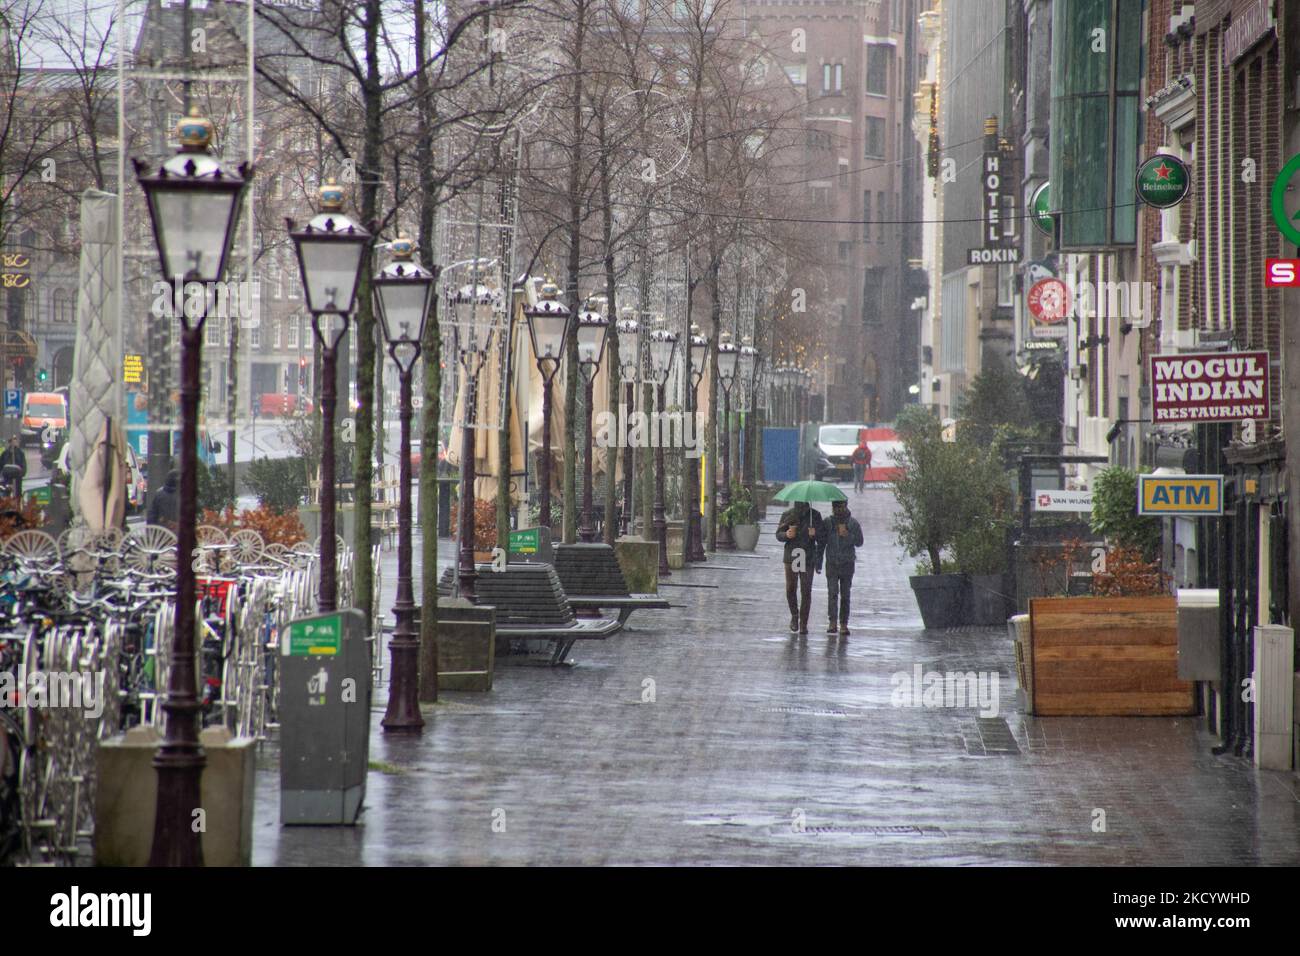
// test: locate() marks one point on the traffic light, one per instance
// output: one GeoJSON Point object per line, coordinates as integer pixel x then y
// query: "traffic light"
{"type": "Point", "coordinates": [42, 375]}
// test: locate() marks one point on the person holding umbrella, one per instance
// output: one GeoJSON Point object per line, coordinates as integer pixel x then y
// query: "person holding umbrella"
{"type": "Point", "coordinates": [803, 532]}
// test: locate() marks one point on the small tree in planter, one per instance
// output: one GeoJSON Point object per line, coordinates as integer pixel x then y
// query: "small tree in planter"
{"type": "Point", "coordinates": [953, 497]}
{"type": "Point", "coordinates": [739, 516]}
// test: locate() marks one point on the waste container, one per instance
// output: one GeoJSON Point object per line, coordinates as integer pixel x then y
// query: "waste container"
{"type": "Point", "coordinates": [1199, 641]}
{"type": "Point", "coordinates": [324, 719]}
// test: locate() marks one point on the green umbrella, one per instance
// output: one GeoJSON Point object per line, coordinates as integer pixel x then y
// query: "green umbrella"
{"type": "Point", "coordinates": [811, 491]}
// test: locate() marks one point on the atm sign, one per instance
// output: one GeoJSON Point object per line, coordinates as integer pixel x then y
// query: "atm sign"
{"type": "Point", "coordinates": [1180, 495]}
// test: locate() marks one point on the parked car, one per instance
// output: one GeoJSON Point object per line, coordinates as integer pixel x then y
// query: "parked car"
{"type": "Point", "coordinates": [835, 444]}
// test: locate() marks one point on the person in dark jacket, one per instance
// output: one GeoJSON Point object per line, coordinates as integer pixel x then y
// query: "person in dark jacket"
{"type": "Point", "coordinates": [838, 549]}
{"type": "Point", "coordinates": [165, 506]}
{"type": "Point", "coordinates": [801, 530]}
{"type": "Point", "coordinates": [14, 455]}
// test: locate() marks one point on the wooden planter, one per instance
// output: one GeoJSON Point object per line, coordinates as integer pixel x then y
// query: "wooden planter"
{"type": "Point", "coordinates": [1097, 656]}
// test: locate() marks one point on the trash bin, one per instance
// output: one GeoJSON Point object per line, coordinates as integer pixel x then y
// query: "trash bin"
{"type": "Point", "coordinates": [324, 719]}
{"type": "Point", "coordinates": [1199, 641]}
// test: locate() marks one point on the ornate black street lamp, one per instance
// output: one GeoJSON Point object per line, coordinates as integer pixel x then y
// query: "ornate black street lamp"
{"type": "Point", "coordinates": [592, 329]}
{"type": "Point", "coordinates": [404, 296]}
{"type": "Point", "coordinates": [331, 250]}
{"type": "Point", "coordinates": [727, 356]}
{"type": "Point", "coordinates": [694, 520]}
{"type": "Point", "coordinates": [473, 341]}
{"type": "Point", "coordinates": [548, 327]}
{"type": "Point", "coordinates": [193, 204]}
{"type": "Point", "coordinates": [629, 365]}
{"type": "Point", "coordinates": [663, 350]}
{"type": "Point", "coordinates": [747, 374]}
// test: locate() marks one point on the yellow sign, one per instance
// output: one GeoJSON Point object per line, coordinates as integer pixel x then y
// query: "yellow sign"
{"type": "Point", "coordinates": [1180, 495]}
{"type": "Point", "coordinates": [132, 369]}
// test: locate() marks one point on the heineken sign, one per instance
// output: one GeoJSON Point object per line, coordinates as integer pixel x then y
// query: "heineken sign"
{"type": "Point", "coordinates": [1040, 209]}
{"type": "Point", "coordinates": [1163, 181]}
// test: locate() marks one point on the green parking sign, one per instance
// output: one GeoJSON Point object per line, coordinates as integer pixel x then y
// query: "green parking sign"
{"type": "Point", "coordinates": [527, 541]}
{"type": "Point", "coordinates": [314, 635]}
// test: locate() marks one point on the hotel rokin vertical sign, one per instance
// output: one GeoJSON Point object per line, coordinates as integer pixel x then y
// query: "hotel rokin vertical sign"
{"type": "Point", "coordinates": [1209, 387]}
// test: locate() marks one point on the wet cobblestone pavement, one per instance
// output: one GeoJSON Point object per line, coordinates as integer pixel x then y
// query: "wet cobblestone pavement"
{"type": "Point", "coordinates": [761, 747]}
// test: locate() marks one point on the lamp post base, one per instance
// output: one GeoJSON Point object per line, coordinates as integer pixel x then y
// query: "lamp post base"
{"type": "Point", "coordinates": [403, 711]}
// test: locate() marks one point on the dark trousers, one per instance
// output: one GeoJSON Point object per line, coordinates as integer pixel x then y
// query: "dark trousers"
{"type": "Point", "coordinates": [798, 583]}
{"type": "Point", "coordinates": [839, 582]}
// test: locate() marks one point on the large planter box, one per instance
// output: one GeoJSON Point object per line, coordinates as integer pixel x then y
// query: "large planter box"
{"type": "Point", "coordinates": [639, 561]}
{"type": "Point", "coordinates": [986, 600]}
{"type": "Point", "coordinates": [1095, 656]}
{"type": "Point", "coordinates": [942, 598]}
{"type": "Point", "coordinates": [745, 536]}
{"type": "Point", "coordinates": [126, 794]}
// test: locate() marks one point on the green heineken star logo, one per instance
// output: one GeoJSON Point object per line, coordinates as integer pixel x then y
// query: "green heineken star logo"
{"type": "Point", "coordinates": [1163, 181]}
{"type": "Point", "coordinates": [1040, 206]}
{"type": "Point", "coordinates": [1277, 201]}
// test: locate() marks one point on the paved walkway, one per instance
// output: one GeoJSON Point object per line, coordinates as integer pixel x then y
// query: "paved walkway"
{"type": "Point", "coordinates": [763, 748]}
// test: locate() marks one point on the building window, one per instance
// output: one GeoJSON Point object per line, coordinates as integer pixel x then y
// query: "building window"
{"type": "Point", "coordinates": [1095, 121]}
{"type": "Point", "coordinates": [844, 252]}
{"type": "Point", "coordinates": [880, 206]}
{"type": "Point", "coordinates": [255, 336]}
{"type": "Point", "coordinates": [293, 331]}
{"type": "Point", "coordinates": [866, 214]}
{"type": "Point", "coordinates": [276, 341]}
{"type": "Point", "coordinates": [873, 136]}
{"type": "Point", "coordinates": [1006, 285]}
{"type": "Point", "coordinates": [295, 283]}
{"type": "Point", "coordinates": [844, 174]}
{"type": "Point", "coordinates": [833, 78]}
{"type": "Point", "coordinates": [213, 325]}
{"type": "Point", "coordinates": [797, 74]}
{"type": "Point", "coordinates": [878, 69]}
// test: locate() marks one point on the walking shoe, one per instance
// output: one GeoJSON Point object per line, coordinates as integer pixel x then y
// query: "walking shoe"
{"type": "Point", "coordinates": [830, 628]}
{"type": "Point", "coordinates": [844, 629]}
{"type": "Point", "coordinates": [803, 627]}
{"type": "Point", "coordinates": [794, 624]}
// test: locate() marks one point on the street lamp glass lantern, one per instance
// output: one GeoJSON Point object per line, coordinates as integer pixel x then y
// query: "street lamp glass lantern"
{"type": "Point", "coordinates": [193, 204]}
{"type": "Point", "coordinates": [629, 346]}
{"type": "Point", "coordinates": [591, 332]}
{"type": "Point", "coordinates": [404, 293]}
{"type": "Point", "coordinates": [331, 250]}
{"type": "Point", "coordinates": [699, 354]}
{"type": "Point", "coordinates": [548, 325]}
{"type": "Point", "coordinates": [663, 350]}
{"type": "Point", "coordinates": [727, 356]}
{"type": "Point", "coordinates": [484, 302]}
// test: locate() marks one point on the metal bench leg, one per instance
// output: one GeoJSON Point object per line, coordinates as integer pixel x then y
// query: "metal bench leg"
{"type": "Point", "coordinates": [623, 614]}
{"type": "Point", "coordinates": [561, 652]}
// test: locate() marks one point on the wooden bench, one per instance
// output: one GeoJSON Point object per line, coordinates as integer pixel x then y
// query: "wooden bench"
{"type": "Point", "coordinates": [531, 604]}
{"type": "Point", "coordinates": [592, 578]}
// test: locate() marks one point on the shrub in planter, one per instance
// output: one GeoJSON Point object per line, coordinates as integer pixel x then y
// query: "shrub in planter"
{"type": "Point", "coordinates": [485, 523]}
{"type": "Point", "coordinates": [275, 527]}
{"type": "Point", "coordinates": [1114, 513]}
{"type": "Point", "coordinates": [279, 483]}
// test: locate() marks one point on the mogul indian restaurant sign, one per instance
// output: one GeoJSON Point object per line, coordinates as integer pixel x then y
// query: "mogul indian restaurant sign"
{"type": "Point", "coordinates": [1180, 494]}
{"type": "Point", "coordinates": [1209, 387]}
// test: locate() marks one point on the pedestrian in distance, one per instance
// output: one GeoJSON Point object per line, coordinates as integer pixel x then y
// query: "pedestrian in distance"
{"type": "Point", "coordinates": [838, 549]}
{"type": "Point", "coordinates": [861, 460]}
{"type": "Point", "coordinates": [15, 456]}
{"type": "Point", "coordinates": [801, 529]}
{"type": "Point", "coordinates": [165, 507]}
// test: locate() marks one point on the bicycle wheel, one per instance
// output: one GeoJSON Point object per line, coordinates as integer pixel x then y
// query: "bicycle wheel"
{"type": "Point", "coordinates": [210, 534]}
{"type": "Point", "coordinates": [35, 547]}
{"type": "Point", "coordinates": [249, 546]}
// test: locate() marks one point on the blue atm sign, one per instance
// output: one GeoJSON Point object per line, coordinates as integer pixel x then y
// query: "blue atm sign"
{"type": "Point", "coordinates": [1180, 495]}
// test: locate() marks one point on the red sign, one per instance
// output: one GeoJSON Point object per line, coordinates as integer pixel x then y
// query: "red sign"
{"type": "Point", "coordinates": [1048, 301]}
{"type": "Point", "coordinates": [1281, 272]}
{"type": "Point", "coordinates": [216, 588]}
{"type": "Point", "coordinates": [1209, 387]}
